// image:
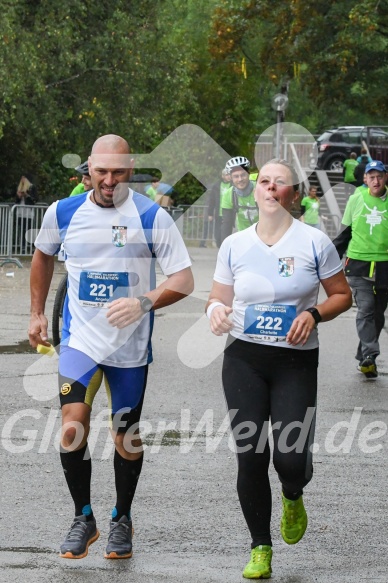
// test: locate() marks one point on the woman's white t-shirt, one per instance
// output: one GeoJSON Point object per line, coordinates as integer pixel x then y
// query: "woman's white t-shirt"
{"type": "Point", "coordinates": [272, 285]}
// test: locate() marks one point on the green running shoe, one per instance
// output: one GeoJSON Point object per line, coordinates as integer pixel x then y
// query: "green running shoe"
{"type": "Point", "coordinates": [294, 520]}
{"type": "Point", "coordinates": [259, 567]}
{"type": "Point", "coordinates": [369, 368]}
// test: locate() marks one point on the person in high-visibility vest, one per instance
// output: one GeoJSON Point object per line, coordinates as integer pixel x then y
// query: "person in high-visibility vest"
{"type": "Point", "coordinates": [238, 203]}
{"type": "Point", "coordinates": [86, 184]}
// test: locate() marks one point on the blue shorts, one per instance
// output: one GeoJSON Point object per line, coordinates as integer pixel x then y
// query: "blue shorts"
{"type": "Point", "coordinates": [80, 377]}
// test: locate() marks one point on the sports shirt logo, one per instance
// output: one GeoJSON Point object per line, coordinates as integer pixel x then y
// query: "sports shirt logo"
{"type": "Point", "coordinates": [65, 389]}
{"type": "Point", "coordinates": [119, 236]}
{"type": "Point", "coordinates": [286, 266]}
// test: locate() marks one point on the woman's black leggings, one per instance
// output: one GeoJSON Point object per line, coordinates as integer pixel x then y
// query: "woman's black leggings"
{"type": "Point", "coordinates": [261, 383]}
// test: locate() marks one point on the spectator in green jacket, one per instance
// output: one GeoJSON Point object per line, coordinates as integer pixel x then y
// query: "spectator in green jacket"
{"type": "Point", "coordinates": [364, 238]}
{"type": "Point", "coordinates": [85, 183]}
{"type": "Point", "coordinates": [348, 173]}
{"type": "Point", "coordinates": [309, 208]}
{"type": "Point", "coordinates": [152, 190]}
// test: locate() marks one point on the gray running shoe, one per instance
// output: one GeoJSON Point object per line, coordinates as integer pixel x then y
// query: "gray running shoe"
{"type": "Point", "coordinates": [82, 533]}
{"type": "Point", "coordinates": [120, 539]}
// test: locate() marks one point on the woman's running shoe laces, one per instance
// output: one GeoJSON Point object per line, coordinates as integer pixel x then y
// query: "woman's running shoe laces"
{"type": "Point", "coordinates": [259, 567]}
{"type": "Point", "coordinates": [294, 520]}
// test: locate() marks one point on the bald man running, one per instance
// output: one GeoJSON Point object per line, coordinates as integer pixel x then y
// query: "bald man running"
{"type": "Point", "coordinates": [111, 236]}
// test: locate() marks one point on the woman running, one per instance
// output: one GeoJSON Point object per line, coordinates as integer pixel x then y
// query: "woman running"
{"type": "Point", "coordinates": [268, 278]}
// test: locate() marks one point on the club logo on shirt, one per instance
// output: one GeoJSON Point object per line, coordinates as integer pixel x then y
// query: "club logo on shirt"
{"type": "Point", "coordinates": [286, 266]}
{"type": "Point", "coordinates": [119, 236]}
{"type": "Point", "coordinates": [65, 389]}
{"type": "Point", "coordinates": [374, 218]}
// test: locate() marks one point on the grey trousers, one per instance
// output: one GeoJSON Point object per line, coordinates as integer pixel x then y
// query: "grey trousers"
{"type": "Point", "coordinates": [370, 319]}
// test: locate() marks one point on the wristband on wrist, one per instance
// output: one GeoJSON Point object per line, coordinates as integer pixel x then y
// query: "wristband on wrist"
{"type": "Point", "coordinates": [315, 314]}
{"type": "Point", "coordinates": [213, 305]}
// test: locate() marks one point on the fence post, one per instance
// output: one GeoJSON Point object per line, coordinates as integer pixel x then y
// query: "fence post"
{"type": "Point", "coordinates": [6, 237]}
{"type": "Point", "coordinates": [14, 231]}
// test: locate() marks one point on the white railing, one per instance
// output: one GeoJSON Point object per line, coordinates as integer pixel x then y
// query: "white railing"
{"type": "Point", "coordinates": [19, 225]}
{"type": "Point", "coordinates": [191, 222]}
{"type": "Point", "coordinates": [4, 228]}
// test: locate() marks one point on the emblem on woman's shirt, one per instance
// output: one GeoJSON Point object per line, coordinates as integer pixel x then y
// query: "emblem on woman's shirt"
{"type": "Point", "coordinates": [286, 266]}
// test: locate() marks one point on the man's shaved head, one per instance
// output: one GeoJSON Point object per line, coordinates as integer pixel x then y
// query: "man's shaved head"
{"type": "Point", "coordinates": [110, 143]}
{"type": "Point", "coordinates": [110, 168]}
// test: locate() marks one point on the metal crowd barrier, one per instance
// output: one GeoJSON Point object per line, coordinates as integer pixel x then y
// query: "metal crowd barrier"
{"type": "Point", "coordinates": [191, 221]}
{"type": "Point", "coordinates": [18, 227]}
{"type": "Point", "coordinates": [4, 228]}
{"type": "Point", "coordinates": [20, 224]}
{"type": "Point", "coordinates": [177, 215]}
{"type": "Point", "coordinates": [330, 224]}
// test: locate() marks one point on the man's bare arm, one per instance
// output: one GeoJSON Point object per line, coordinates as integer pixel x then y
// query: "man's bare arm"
{"type": "Point", "coordinates": [177, 286]}
{"type": "Point", "coordinates": [42, 268]}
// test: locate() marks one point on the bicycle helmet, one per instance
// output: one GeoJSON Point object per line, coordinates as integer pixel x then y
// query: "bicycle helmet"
{"type": "Point", "coordinates": [237, 162]}
{"type": "Point", "coordinates": [83, 168]}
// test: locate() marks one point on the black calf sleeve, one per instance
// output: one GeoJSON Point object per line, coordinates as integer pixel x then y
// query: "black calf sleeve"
{"type": "Point", "coordinates": [77, 467]}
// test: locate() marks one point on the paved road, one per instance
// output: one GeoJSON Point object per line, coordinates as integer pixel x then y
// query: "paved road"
{"type": "Point", "coordinates": [187, 520]}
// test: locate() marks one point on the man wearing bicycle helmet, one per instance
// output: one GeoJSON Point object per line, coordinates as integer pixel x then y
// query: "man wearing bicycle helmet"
{"type": "Point", "coordinates": [238, 203]}
{"type": "Point", "coordinates": [86, 184]}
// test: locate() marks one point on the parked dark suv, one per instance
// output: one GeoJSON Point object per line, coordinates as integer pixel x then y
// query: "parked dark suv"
{"type": "Point", "coordinates": [335, 145]}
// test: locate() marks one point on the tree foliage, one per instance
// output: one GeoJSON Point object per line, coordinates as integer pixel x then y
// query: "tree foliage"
{"type": "Point", "coordinates": [75, 70]}
{"type": "Point", "coordinates": [327, 47]}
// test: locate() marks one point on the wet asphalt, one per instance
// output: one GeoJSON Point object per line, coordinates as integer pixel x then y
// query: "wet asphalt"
{"type": "Point", "coordinates": [187, 520]}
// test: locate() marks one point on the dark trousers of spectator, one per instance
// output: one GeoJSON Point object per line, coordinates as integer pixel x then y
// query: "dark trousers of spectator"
{"type": "Point", "coordinates": [370, 319]}
{"type": "Point", "coordinates": [217, 230]}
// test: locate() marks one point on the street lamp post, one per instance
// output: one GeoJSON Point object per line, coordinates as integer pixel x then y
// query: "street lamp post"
{"type": "Point", "coordinates": [279, 104]}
